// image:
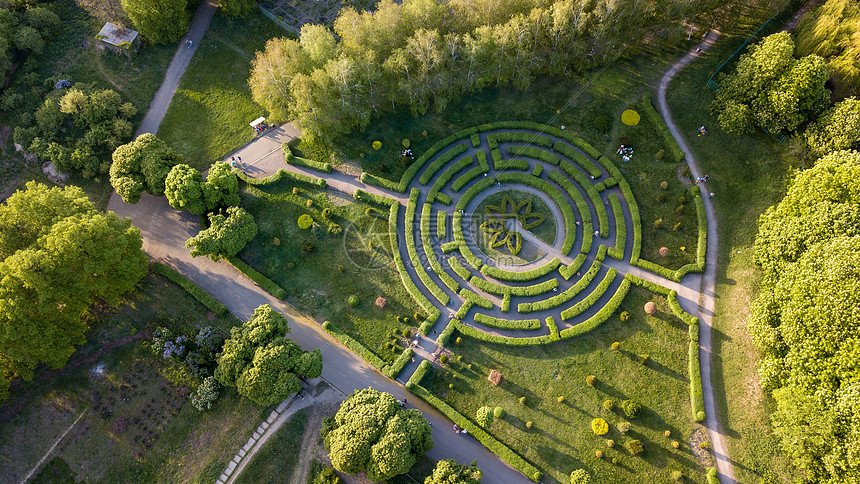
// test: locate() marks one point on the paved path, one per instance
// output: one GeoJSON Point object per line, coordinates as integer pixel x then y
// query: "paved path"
{"type": "Point", "coordinates": [708, 281]}
{"type": "Point", "coordinates": [164, 95]}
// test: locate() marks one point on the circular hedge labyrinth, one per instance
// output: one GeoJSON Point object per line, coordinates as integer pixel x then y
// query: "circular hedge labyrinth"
{"type": "Point", "coordinates": [509, 230]}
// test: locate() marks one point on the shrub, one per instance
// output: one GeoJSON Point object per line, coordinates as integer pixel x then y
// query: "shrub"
{"type": "Point", "coordinates": [589, 380]}
{"type": "Point", "coordinates": [700, 416]}
{"type": "Point", "coordinates": [443, 359]}
{"type": "Point", "coordinates": [660, 154]}
{"type": "Point", "coordinates": [610, 443]}
{"type": "Point", "coordinates": [580, 476]}
{"type": "Point", "coordinates": [529, 424]}
{"type": "Point", "coordinates": [598, 454]}
{"type": "Point", "coordinates": [635, 446]}
{"type": "Point", "coordinates": [309, 203]}
{"type": "Point", "coordinates": [561, 399]}
{"type": "Point", "coordinates": [623, 427]}
{"type": "Point", "coordinates": [631, 408]}
{"type": "Point", "coordinates": [327, 213]}
{"type": "Point", "coordinates": [459, 340]}
{"type": "Point", "coordinates": [602, 123]}
{"type": "Point", "coordinates": [661, 197]}
{"type": "Point", "coordinates": [484, 417]}
{"type": "Point", "coordinates": [335, 229]}
{"type": "Point", "coordinates": [340, 268]}
{"type": "Point", "coordinates": [305, 221]}
{"type": "Point", "coordinates": [711, 475]}
{"type": "Point", "coordinates": [352, 301]}
{"type": "Point", "coordinates": [494, 377]}
{"type": "Point", "coordinates": [204, 297]}
{"type": "Point", "coordinates": [667, 433]}
{"type": "Point", "coordinates": [675, 444]}
{"type": "Point", "coordinates": [295, 190]}
{"type": "Point", "coordinates": [658, 223]}
{"type": "Point", "coordinates": [624, 316]}
{"type": "Point", "coordinates": [206, 394]}
{"type": "Point", "coordinates": [677, 475]}
{"type": "Point", "coordinates": [498, 412]}
{"type": "Point", "coordinates": [677, 227]}
{"type": "Point", "coordinates": [614, 460]}
{"type": "Point", "coordinates": [616, 345]}
{"type": "Point", "coordinates": [308, 247]}
{"type": "Point", "coordinates": [377, 145]}
{"type": "Point", "coordinates": [664, 185]}
{"type": "Point", "coordinates": [599, 426]}
{"type": "Point", "coordinates": [608, 404]}
{"type": "Point", "coordinates": [523, 401]}
{"type": "Point", "coordinates": [679, 208]}
{"type": "Point", "coordinates": [682, 199]}
{"type": "Point", "coordinates": [704, 445]}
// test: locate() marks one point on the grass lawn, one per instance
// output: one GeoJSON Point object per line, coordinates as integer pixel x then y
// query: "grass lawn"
{"type": "Point", "coordinates": [139, 424]}
{"type": "Point", "coordinates": [560, 439]}
{"type": "Point", "coordinates": [277, 458]}
{"type": "Point", "coordinates": [319, 279]}
{"type": "Point", "coordinates": [545, 231]}
{"type": "Point", "coordinates": [747, 176]}
{"type": "Point", "coordinates": [209, 115]}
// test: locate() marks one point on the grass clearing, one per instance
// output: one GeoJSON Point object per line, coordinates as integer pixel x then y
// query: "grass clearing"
{"type": "Point", "coordinates": [139, 423]}
{"type": "Point", "coordinates": [209, 115]}
{"type": "Point", "coordinates": [320, 273]}
{"type": "Point", "coordinates": [560, 438]}
{"type": "Point", "coordinates": [277, 458]}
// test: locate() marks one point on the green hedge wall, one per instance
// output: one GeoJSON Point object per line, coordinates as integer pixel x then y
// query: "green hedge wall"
{"type": "Point", "coordinates": [617, 252]}
{"type": "Point", "coordinates": [524, 276]}
{"type": "Point", "coordinates": [400, 363]}
{"type": "Point", "coordinates": [678, 155]}
{"type": "Point", "coordinates": [564, 296]}
{"type": "Point", "coordinates": [371, 198]}
{"type": "Point", "coordinates": [420, 373]}
{"type": "Point", "coordinates": [697, 403]}
{"type": "Point", "coordinates": [445, 177]}
{"type": "Point", "coordinates": [441, 225]}
{"type": "Point", "coordinates": [651, 286]}
{"type": "Point", "coordinates": [581, 207]}
{"type": "Point", "coordinates": [476, 299]}
{"type": "Point", "coordinates": [578, 158]}
{"type": "Point", "coordinates": [633, 207]}
{"type": "Point", "coordinates": [411, 288]}
{"type": "Point", "coordinates": [463, 309]}
{"type": "Point", "coordinates": [602, 315]}
{"type": "Point", "coordinates": [465, 178]}
{"type": "Point", "coordinates": [476, 140]}
{"type": "Point", "coordinates": [553, 328]}
{"type": "Point", "coordinates": [537, 170]}
{"type": "Point", "coordinates": [378, 181]}
{"type": "Point", "coordinates": [304, 162]}
{"type": "Point", "coordinates": [506, 302]}
{"type": "Point", "coordinates": [482, 160]}
{"type": "Point", "coordinates": [459, 269]}
{"type": "Point", "coordinates": [583, 181]}
{"type": "Point", "coordinates": [504, 340]}
{"type": "Point", "coordinates": [522, 291]}
{"type": "Point", "coordinates": [199, 294]}
{"type": "Point", "coordinates": [520, 324]}
{"type": "Point", "coordinates": [431, 255]}
{"type": "Point", "coordinates": [282, 175]}
{"type": "Point", "coordinates": [568, 271]}
{"type": "Point", "coordinates": [261, 280]}
{"type": "Point", "coordinates": [534, 153]}
{"type": "Point", "coordinates": [592, 298]}
{"type": "Point", "coordinates": [520, 137]}
{"type": "Point", "coordinates": [512, 164]}
{"type": "Point", "coordinates": [356, 347]}
{"type": "Point", "coordinates": [684, 316]}
{"type": "Point", "coordinates": [428, 282]}
{"type": "Point", "coordinates": [487, 440]}
{"type": "Point", "coordinates": [441, 161]}
{"type": "Point", "coordinates": [446, 333]}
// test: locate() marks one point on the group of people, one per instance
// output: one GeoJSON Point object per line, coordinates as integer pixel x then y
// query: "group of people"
{"type": "Point", "coordinates": [700, 179]}
{"type": "Point", "coordinates": [235, 164]}
{"type": "Point", "coordinates": [626, 152]}
{"type": "Point", "coordinates": [703, 130]}
{"type": "Point", "coordinates": [459, 430]}
{"type": "Point", "coordinates": [260, 128]}
{"type": "Point", "coordinates": [407, 153]}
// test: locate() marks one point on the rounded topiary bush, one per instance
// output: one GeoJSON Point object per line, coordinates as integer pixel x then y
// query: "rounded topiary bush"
{"type": "Point", "coordinates": [631, 408]}
{"type": "Point", "coordinates": [615, 345]}
{"type": "Point", "coordinates": [599, 426]}
{"type": "Point", "coordinates": [458, 340]}
{"type": "Point", "coordinates": [580, 476]}
{"type": "Point", "coordinates": [406, 143]}
{"type": "Point", "coordinates": [327, 212]}
{"type": "Point", "coordinates": [305, 221]}
{"type": "Point", "coordinates": [529, 424]}
{"type": "Point", "coordinates": [407, 333]}
{"type": "Point", "coordinates": [610, 443]}
{"type": "Point", "coordinates": [309, 203]}
{"type": "Point", "coordinates": [676, 444]}
{"type": "Point", "coordinates": [598, 454]}
{"type": "Point", "coordinates": [630, 117]}
{"type": "Point", "coordinates": [624, 316]}
{"type": "Point", "coordinates": [377, 145]}
{"type": "Point", "coordinates": [590, 379]}
{"type": "Point", "coordinates": [484, 417]}
{"type": "Point", "coordinates": [352, 301]}
{"type": "Point", "coordinates": [608, 404]}
{"type": "Point", "coordinates": [635, 446]}
{"type": "Point", "coordinates": [561, 399]}
{"type": "Point", "coordinates": [443, 359]}
{"type": "Point", "coordinates": [700, 416]}
{"type": "Point", "coordinates": [623, 427]}
{"type": "Point", "coordinates": [523, 401]}
{"type": "Point", "coordinates": [498, 412]}
{"type": "Point", "coordinates": [650, 307]}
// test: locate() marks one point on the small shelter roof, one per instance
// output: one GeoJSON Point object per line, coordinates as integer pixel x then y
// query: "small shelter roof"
{"type": "Point", "coordinates": [116, 35]}
{"type": "Point", "coordinates": [257, 121]}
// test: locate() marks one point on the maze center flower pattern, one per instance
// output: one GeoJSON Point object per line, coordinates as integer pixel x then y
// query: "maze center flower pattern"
{"type": "Point", "coordinates": [496, 227]}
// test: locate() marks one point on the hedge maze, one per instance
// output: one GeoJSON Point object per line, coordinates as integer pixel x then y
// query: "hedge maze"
{"type": "Point", "coordinates": [565, 287]}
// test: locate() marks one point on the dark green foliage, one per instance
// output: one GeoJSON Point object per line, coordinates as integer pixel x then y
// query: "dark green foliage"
{"type": "Point", "coordinates": [158, 21]}
{"type": "Point", "coordinates": [237, 8]}
{"type": "Point", "coordinates": [142, 165]}
{"type": "Point", "coordinates": [634, 446]}
{"type": "Point", "coordinates": [678, 155]}
{"type": "Point", "coordinates": [631, 408]}
{"type": "Point", "coordinates": [447, 471]}
{"type": "Point", "coordinates": [225, 236]}
{"type": "Point", "coordinates": [372, 433]}
{"type": "Point", "coordinates": [23, 32]}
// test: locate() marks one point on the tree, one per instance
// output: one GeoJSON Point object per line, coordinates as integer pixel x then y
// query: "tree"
{"type": "Point", "coordinates": [183, 188]}
{"type": "Point", "coordinates": [226, 236]}
{"type": "Point", "coordinates": [58, 256]}
{"type": "Point", "coordinates": [237, 8]}
{"type": "Point", "coordinates": [484, 416]}
{"type": "Point", "coordinates": [805, 430]}
{"type": "Point", "coordinates": [261, 363]}
{"type": "Point", "coordinates": [580, 476]}
{"type": "Point", "coordinates": [447, 471]}
{"type": "Point", "coordinates": [158, 21]}
{"type": "Point", "coordinates": [222, 186]}
{"type": "Point", "coordinates": [142, 165]}
{"type": "Point", "coordinates": [831, 31]}
{"type": "Point", "coordinates": [838, 128]}
{"type": "Point", "coordinates": [371, 432]}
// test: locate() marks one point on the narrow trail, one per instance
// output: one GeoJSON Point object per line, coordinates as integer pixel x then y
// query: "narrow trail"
{"type": "Point", "coordinates": [707, 302]}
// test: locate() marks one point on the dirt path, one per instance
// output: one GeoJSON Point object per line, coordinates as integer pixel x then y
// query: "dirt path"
{"type": "Point", "coordinates": [708, 280]}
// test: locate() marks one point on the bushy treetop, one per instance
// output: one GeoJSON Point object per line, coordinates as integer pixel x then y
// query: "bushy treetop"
{"type": "Point", "coordinates": [142, 165]}
{"type": "Point", "coordinates": [447, 471]}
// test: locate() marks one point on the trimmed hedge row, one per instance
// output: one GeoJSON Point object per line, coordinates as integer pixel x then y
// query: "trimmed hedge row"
{"type": "Point", "coordinates": [610, 182]}
{"type": "Point", "coordinates": [564, 296]}
{"type": "Point", "coordinates": [431, 254]}
{"type": "Point", "coordinates": [633, 207]}
{"type": "Point", "coordinates": [413, 169]}
{"type": "Point", "coordinates": [482, 160]}
{"type": "Point", "coordinates": [487, 440]}
{"type": "Point", "coordinates": [684, 316]}
{"type": "Point", "coordinates": [578, 158]}
{"type": "Point", "coordinates": [599, 186]}
{"type": "Point", "coordinates": [282, 175]}
{"type": "Point", "coordinates": [522, 291]}
{"type": "Point", "coordinates": [428, 282]}
{"type": "Point", "coordinates": [537, 170]}
{"type": "Point", "coordinates": [445, 335]}
{"type": "Point", "coordinates": [420, 373]}
{"type": "Point", "coordinates": [450, 246]}
{"type": "Point", "coordinates": [356, 347]}
{"type": "Point", "coordinates": [445, 177]}
{"type": "Point", "coordinates": [535, 153]}
{"type": "Point", "coordinates": [524, 276]}
{"type": "Point", "coordinates": [497, 156]}
{"type": "Point", "coordinates": [378, 181]}
{"type": "Point", "coordinates": [441, 226]}
{"type": "Point", "coordinates": [465, 178]}
{"type": "Point", "coordinates": [593, 196]}
{"type": "Point", "coordinates": [459, 269]}
{"type": "Point", "coordinates": [371, 198]}
{"type": "Point", "coordinates": [602, 315]}
{"type": "Point", "coordinates": [400, 363]}
{"type": "Point", "coordinates": [702, 222]}
{"type": "Point", "coordinates": [518, 324]}
{"type": "Point", "coordinates": [617, 252]}
{"type": "Point", "coordinates": [471, 332]}
{"type": "Point", "coordinates": [476, 299]}
{"type": "Point", "coordinates": [511, 164]}
{"type": "Point", "coordinates": [476, 140]}
{"type": "Point", "coordinates": [581, 207]}
{"type": "Point", "coordinates": [553, 328]}
{"type": "Point", "coordinates": [677, 153]}
{"type": "Point", "coordinates": [568, 271]}
{"type": "Point", "coordinates": [546, 187]}
{"type": "Point", "coordinates": [199, 294]}
{"type": "Point", "coordinates": [463, 309]}
{"type": "Point", "coordinates": [425, 328]}
{"type": "Point", "coordinates": [697, 403]}
{"type": "Point", "coordinates": [592, 298]}
{"type": "Point", "coordinates": [457, 225]}
{"type": "Point", "coordinates": [261, 280]}
{"type": "Point", "coordinates": [518, 137]}
{"type": "Point", "coordinates": [651, 286]}
{"type": "Point", "coordinates": [441, 161]}
{"type": "Point", "coordinates": [506, 302]}
{"type": "Point", "coordinates": [411, 288]}
{"type": "Point", "coordinates": [304, 162]}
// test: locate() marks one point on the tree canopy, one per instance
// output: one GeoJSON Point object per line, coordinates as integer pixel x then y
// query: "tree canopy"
{"type": "Point", "coordinates": [371, 432]}
{"type": "Point", "coordinates": [142, 165]}
{"type": "Point", "coordinates": [262, 363]}
{"type": "Point", "coordinates": [832, 31]}
{"type": "Point", "coordinates": [23, 32]}
{"type": "Point", "coordinates": [772, 90]}
{"type": "Point", "coordinates": [186, 190]}
{"type": "Point", "coordinates": [158, 21]}
{"type": "Point", "coordinates": [225, 236]}
{"type": "Point", "coordinates": [838, 128]}
{"type": "Point", "coordinates": [805, 319]}
{"type": "Point", "coordinates": [58, 256]}
{"type": "Point", "coordinates": [447, 471]}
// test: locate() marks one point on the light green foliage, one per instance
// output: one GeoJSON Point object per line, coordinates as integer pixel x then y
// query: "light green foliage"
{"type": "Point", "coordinates": [580, 476]}
{"type": "Point", "coordinates": [807, 431]}
{"type": "Point", "coordinates": [222, 186]}
{"type": "Point", "coordinates": [225, 236]}
{"type": "Point", "coordinates": [237, 8]}
{"type": "Point", "coordinates": [831, 31]}
{"type": "Point", "coordinates": [58, 255]}
{"type": "Point", "coordinates": [838, 128]}
{"type": "Point", "coordinates": [142, 165]}
{"type": "Point", "coordinates": [206, 394]}
{"type": "Point", "coordinates": [183, 188]}
{"type": "Point", "coordinates": [261, 363]}
{"type": "Point", "coordinates": [484, 417]}
{"type": "Point", "coordinates": [770, 89]}
{"type": "Point", "coordinates": [158, 21]}
{"type": "Point", "coordinates": [447, 471]}
{"type": "Point", "coordinates": [371, 432]}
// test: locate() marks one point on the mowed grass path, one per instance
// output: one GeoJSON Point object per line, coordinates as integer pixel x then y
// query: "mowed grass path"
{"type": "Point", "coordinates": [209, 115]}
{"type": "Point", "coordinates": [560, 439]}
